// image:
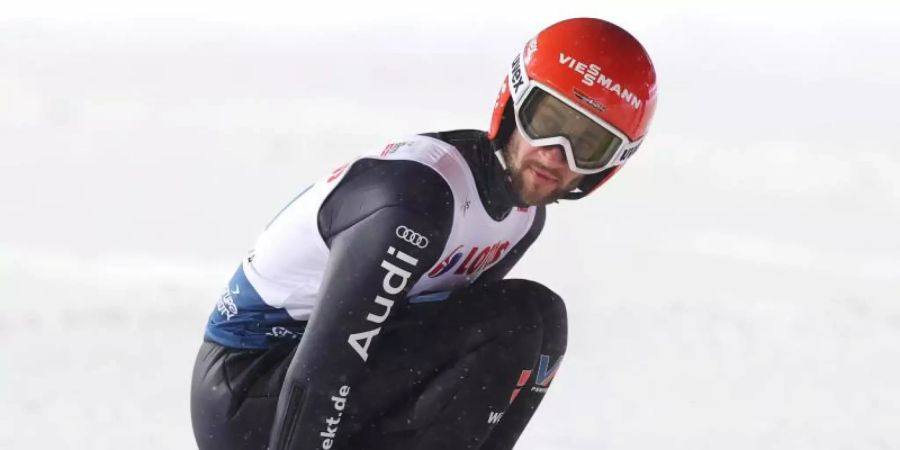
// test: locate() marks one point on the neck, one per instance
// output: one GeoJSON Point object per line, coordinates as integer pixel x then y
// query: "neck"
{"type": "Point", "coordinates": [497, 192]}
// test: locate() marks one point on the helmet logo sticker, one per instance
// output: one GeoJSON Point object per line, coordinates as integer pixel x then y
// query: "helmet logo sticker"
{"type": "Point", "coordinates": [529, 50]}
{"type": "Point", "coordinates": [590, 101]}
{"type": "Point", "coordinates": [516, 78]}
{"type": "Point", "coordinates": [592, 76]}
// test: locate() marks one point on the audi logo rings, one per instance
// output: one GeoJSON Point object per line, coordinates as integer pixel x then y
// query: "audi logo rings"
{"type": "Point", "coordinates": [409, 235]}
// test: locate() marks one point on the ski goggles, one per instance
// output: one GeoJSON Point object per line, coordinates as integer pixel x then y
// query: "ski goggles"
{"type": "Point", "coordinates": [591, 145]}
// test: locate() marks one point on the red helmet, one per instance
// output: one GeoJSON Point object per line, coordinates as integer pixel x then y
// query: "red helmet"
{"type": "Point", "coordinates": [586, 85]}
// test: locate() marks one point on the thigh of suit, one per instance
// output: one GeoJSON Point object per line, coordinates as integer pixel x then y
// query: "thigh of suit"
{"type": "Point", "coordinates": [449, 372]}
{"type": "Point", "coordinates": [234, 393]}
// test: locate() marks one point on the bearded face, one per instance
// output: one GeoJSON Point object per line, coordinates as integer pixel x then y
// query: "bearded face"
{"type": "Point", "coordinates": [540, 175]}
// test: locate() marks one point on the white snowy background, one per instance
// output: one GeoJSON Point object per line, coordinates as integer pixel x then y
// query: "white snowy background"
{"type": "Point", "coordinates": [735, 287]}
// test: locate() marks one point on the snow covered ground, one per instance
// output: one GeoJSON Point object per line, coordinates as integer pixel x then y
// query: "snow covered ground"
{"type": "Point", "coordinates": [736, 286]}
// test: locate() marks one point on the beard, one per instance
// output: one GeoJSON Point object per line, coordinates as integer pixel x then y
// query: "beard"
{"type": "Point", "coordinates": [525, 193]}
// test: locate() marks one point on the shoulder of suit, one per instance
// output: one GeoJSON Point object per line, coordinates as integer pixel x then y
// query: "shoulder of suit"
{"type": "Point", "coordinates": [425, 149]}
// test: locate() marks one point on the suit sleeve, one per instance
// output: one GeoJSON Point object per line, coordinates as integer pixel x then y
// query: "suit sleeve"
{"type": "Point", "coordinates": [386, 224]}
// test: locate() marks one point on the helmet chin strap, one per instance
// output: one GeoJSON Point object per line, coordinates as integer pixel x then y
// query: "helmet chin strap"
{"type": "Point", "coordinates": [574, 194]}
{"type": "Point", "coordinates": [498, 152]}
{"type": "Point", "coordinates": [510, 191]}
{"type": "Point", "coordinates": [589, 183]}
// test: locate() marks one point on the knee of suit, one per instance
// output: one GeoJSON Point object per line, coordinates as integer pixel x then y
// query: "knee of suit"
{"type": "Point", "coordinates": [530, 304]}
{"type": "Point", "coordinates": [552, 310]}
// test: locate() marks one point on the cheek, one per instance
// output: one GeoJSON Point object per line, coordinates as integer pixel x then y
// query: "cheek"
{"type": "Point", "coordinates": [527, 156]}
{"type": "Point", "coordinates": [573, 182]}
{"type": "Point", "coordinates": [519, 151]}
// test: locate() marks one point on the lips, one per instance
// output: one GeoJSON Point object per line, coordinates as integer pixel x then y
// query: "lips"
{"type": "Point", "coordinates": [544, 174]}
